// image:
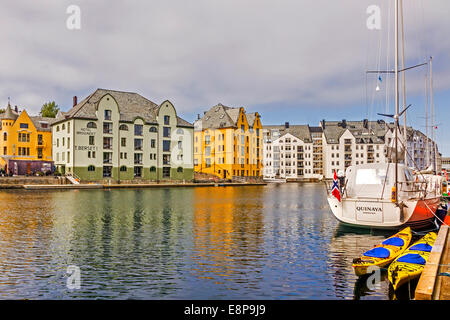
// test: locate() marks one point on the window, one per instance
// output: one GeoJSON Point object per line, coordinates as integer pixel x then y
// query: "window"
{"type": "Point", "coordinates": [138, 129]}
{"type": "Point", "coordinates": [68, 127]}
{"type": "Point", "coordinates": [40, 141]}
{"type": "Point", "coordinates": [167, 120]}
{"type": "Point", "coordinates": [107, 171]}
{"type": "Point", "coordinates": [179, 169]}
{"type": "Point", "coordinates": [138, 144]}
{"type": "Point", "coordinates": [138, 171]}
{"type": "Point", "coordinates": [138, 158]}
{"type": "Point", "coordinates": [371, 176]}
{"type": "Point", "coordinates": [123, 168]}
{"type": "Point", "coordinates": [153, 129]}
{"type": "Point", "coordinates": [24, 126]}
{"type": "Point", "coordinates": [5, 150]}
{"type": "Point", "coordinates": [68, 143]}
{"type": "Point", "coordinates": [91, 125]}
{"type": "Point", "coordinates": [180, 145]}
{"type": "Point", "coordinates": [107, 114]}
{"type": "Point", "coordinates": [152, 143]}
{"type": "Point", "coordinates": [107, 143]}
{"type": "Point", "coordinates": [91, 168]}
{"type": "Point", "coordinates": [152, 169]}
{"type": "Point", "coordinates": [166, 132]}
{"type": "Point", "coordinates": [123, 142]}
{"type": "Point", "coordinates": [91, 140]}
{"type": "Point", "coordinates": [166, 172]}
{"type": "Point", "coordinates": [166, 145]}
{"type": "Point", "coordinates": [180, 131]}
{"type": "Point", "coordinates": [123, 127]}
{"type": "Point", "coordinates": [5, 136]}
{"type": "Point", "coordinates": [107, 127]}
{"type": "Point", "coordinates": [166, 159]}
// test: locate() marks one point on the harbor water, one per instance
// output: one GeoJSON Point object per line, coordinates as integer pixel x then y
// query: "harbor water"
{"type": "Point", "coordinates": [278, 241]}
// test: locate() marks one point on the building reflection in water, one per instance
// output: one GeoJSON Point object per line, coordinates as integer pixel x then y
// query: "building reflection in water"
{"type": "Point", "coordinates": [228, 234]}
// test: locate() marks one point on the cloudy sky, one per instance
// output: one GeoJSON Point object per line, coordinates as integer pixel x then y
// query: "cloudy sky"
{"type": "Point", "coordinates": [291, 60]}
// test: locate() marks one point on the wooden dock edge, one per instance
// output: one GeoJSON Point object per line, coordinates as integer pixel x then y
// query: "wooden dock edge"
{"type": "Point", "coordinates": [428, 286]}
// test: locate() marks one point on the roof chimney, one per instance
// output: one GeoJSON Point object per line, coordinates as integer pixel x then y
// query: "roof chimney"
{"type": "Point", "coordinates": [286, 125]}
{"type": "Point", "coordinates": [75, 101]}
{"type": "Point", "coordinates": [323, 123]}
{"type": "Point", "coordinates": [16, 109]}
{"type": "Point", "coordinates": [198, 116]}
{"type": "Point", "coordinates": [366, 124]}
{"type": "Point", "coordinates": [344, 123]}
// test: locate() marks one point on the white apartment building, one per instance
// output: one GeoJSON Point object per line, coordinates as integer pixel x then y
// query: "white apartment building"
{"type": "Point", "coordinates": [288, 152]}
{"type": "Point", "coordinates": [305, 152]}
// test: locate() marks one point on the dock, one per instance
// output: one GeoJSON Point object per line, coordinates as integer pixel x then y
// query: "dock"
{"type": "Point", "coordinates": [123, 185]}
{"type": "Point", "coordinates": [434, 283]}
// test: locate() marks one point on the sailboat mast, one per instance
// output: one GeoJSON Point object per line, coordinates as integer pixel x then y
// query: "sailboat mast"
{"type": "Point", "coordinates": [433, 138]}
{"type": "Point", "coordinates": [405, 136]}
{"type": "Point", "coordinates": [396, 101]}
{"type": "Point", "coordinates": [427, 152]}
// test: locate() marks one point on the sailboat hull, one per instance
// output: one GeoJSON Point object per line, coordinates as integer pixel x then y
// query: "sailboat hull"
{"type": "Point", "coordinates": [416, 214]}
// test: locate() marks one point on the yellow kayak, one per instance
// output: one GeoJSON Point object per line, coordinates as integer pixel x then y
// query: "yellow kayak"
{"type": "Point", "coordinates": [384, 253]}
{"type": "Point", "coordinates": [410, 264]}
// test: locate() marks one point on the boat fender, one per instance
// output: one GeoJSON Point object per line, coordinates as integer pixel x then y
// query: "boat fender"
{"type": "Point", "coordinates": [394, 194]}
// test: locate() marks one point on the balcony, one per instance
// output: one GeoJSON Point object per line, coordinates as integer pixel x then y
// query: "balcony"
{"type": "Point", "coordinates": [107, 146]}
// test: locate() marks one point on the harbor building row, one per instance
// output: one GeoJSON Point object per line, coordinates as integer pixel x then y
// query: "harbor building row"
{"type": "Point", "coordinates": [303, 152]}
{"type": "Point", "coordinates": [122, 136]}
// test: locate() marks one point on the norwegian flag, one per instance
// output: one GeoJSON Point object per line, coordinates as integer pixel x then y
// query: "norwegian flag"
{"type": "Point", "coordinates": [335, 189]}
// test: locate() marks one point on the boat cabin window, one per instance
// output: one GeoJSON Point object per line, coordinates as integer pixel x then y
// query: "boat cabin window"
{"type": "Point", "coordinates": [370, 176]}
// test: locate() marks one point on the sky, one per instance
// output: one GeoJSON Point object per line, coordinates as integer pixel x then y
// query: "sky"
{"type": "Point", "coordinates": [291, 60]}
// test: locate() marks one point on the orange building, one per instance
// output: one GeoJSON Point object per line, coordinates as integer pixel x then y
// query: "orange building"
{"type": "Point", "coordinates": [228, 142]}
{"type": "Point", "coordinates": [25, 143]}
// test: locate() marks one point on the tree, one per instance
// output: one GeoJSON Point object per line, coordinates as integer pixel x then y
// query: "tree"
{"type": "Point", "coordinates": [49, 109]}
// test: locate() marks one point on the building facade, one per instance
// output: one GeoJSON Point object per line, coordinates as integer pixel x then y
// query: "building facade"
{"type": "Point", "coordinates": [116, 135]}
{"type": "Point", "coordinates": [228, 142]}
{"type": "Point", "coordinates": [289, 152]}
{"type": "Point", "coordinates": [25, 143]}
{"type": "Point", "coordinates": [336, 145]}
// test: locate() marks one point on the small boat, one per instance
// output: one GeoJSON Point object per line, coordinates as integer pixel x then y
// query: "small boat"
{"type": "Point", "coordinates": [384, 253]}
{"type": "Point", "coordinates": [411, 263]}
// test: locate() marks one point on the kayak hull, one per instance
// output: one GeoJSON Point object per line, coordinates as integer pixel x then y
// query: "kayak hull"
{"type": "Point", "coordinates": [365, 264]}
{"type": "Point", "coordinates": [400, 272]}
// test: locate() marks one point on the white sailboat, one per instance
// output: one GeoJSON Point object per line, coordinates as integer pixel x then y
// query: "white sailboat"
{"type": "Point", "coordinates": [387, 195]}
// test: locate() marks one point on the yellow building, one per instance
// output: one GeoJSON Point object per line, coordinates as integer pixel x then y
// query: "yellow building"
{"type": "Point", "coordinates": [228, 142]}
{"type": "Point", "coordinates": [25, 143]}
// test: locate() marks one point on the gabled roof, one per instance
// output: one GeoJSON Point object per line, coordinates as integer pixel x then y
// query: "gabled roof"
{"type": "Point", "coordinates": [301, 132]}
{"type": "Point", "coordinates": [131, 106]}
{"type": "Point", "coordinates": [219, 116]}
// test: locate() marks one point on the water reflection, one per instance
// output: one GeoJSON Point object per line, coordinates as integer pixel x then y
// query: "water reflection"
{"type": "Point", "coordinates": [260, 242]}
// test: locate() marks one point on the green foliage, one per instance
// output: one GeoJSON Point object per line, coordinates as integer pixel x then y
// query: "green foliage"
{"type": "Point", "coordinates": [49, 109]}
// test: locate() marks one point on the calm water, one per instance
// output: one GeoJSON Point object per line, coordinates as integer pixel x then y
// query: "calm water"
{"type": "Point", "coordinates": [255, 242]}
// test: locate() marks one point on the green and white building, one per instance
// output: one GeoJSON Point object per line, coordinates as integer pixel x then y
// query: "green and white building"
{"type": "Point", "coordinates": [115, 135]}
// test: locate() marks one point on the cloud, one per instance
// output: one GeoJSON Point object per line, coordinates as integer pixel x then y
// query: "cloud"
{"type": "Point", "coordinates": [198, 53]}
